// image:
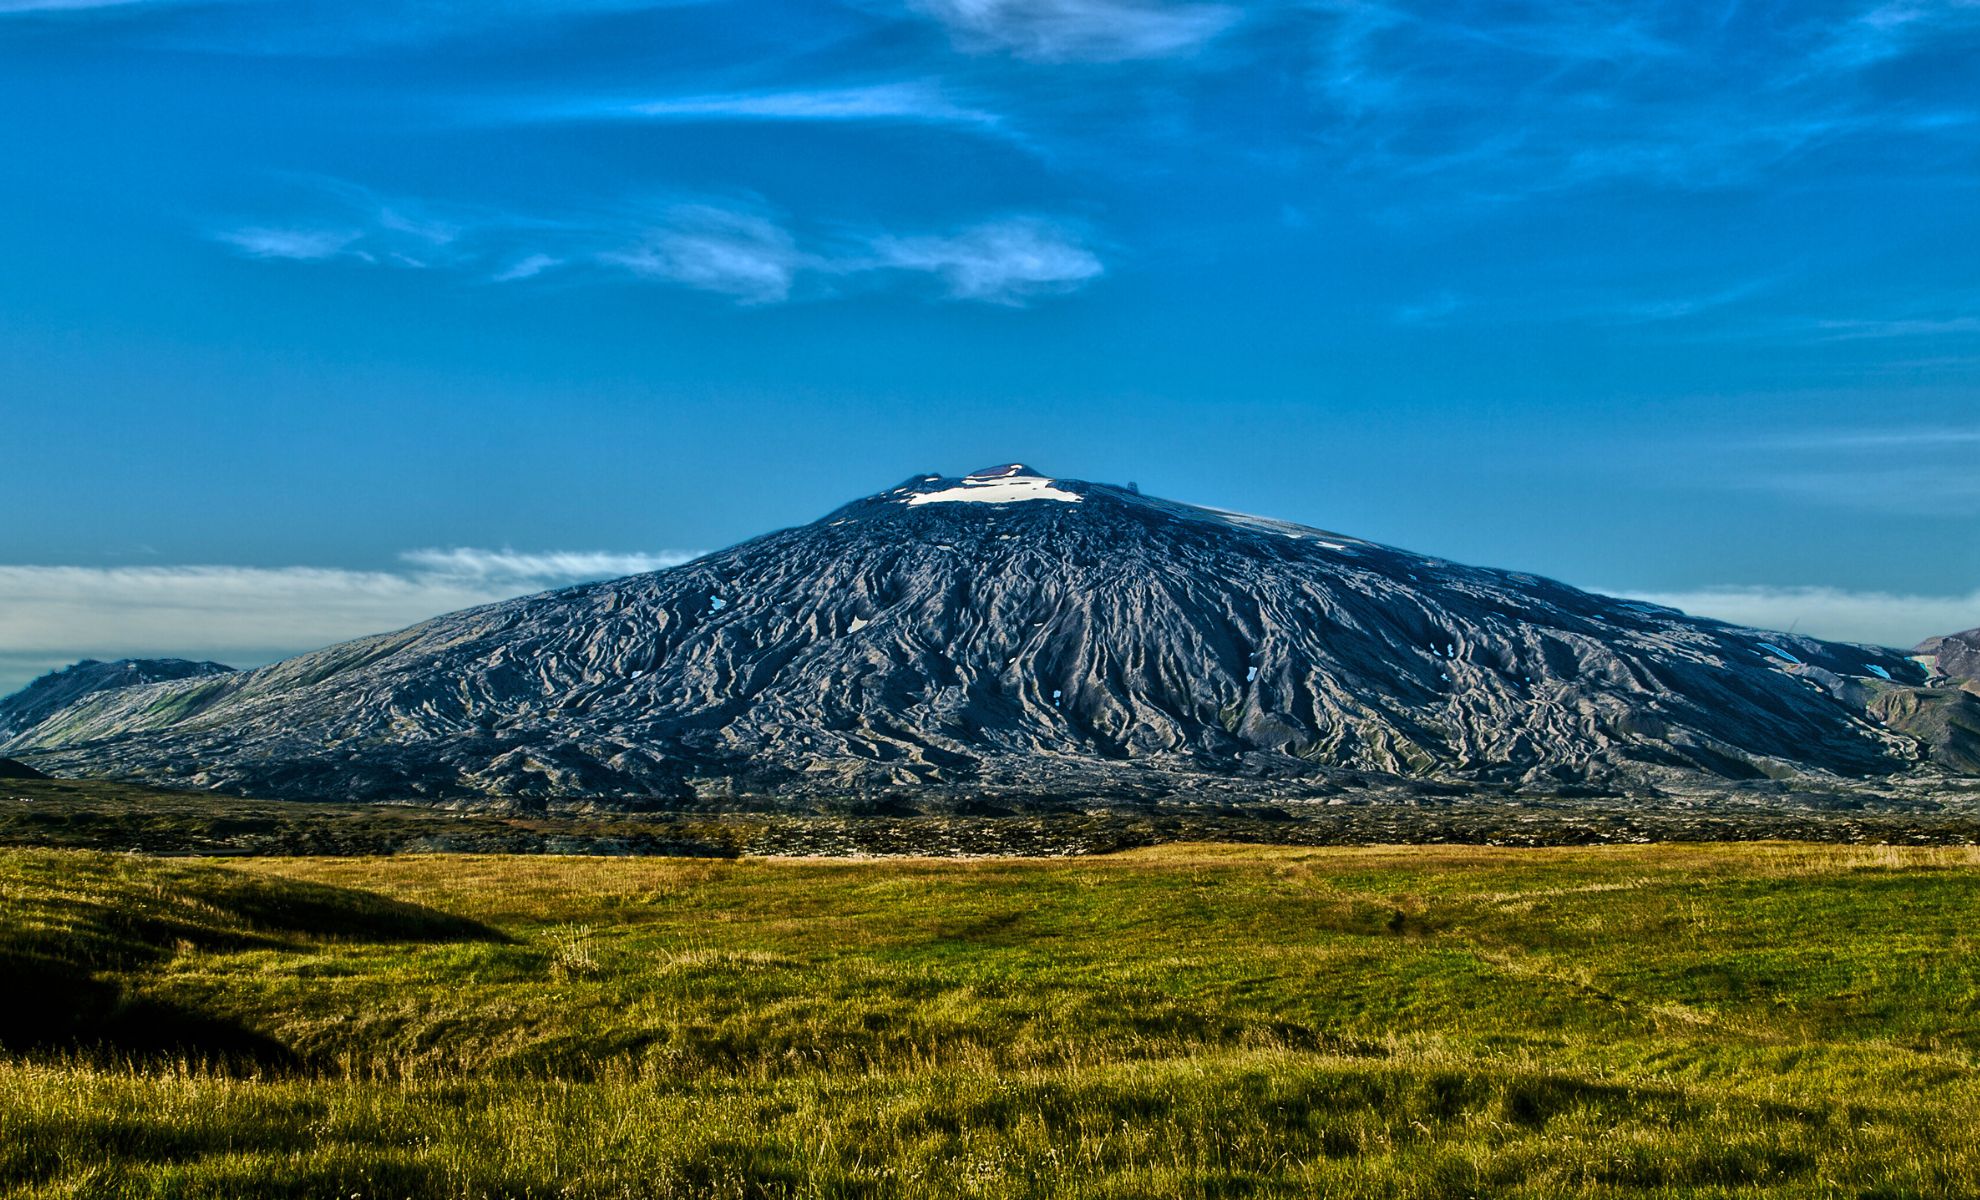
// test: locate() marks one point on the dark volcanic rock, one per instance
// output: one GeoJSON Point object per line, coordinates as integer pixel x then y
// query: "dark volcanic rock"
{"type": "Point", "coordinates": [13, 769]}
{"type": "Point", "coordinates": [1008, 636]}
{"type": "Point", "coordinates": [57, 690]}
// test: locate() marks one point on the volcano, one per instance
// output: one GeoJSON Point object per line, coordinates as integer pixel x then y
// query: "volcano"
{"type": "Point", "coordinates": [1006, 634]}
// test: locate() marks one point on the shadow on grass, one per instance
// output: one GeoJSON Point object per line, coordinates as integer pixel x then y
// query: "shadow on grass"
{"type": "Point", "coordinates": [57, 1007]}
{"type": "Point", "coordinates": [81, 932]}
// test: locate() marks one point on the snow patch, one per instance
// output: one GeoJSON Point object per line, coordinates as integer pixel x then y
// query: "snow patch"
{"type": "Point", "coordinates": [1010, 490]}
{"type": "Point", "coordinates": [1876, 670]}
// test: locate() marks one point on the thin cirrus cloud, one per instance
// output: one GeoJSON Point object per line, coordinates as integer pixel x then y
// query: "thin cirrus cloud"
{"type": "Point", "coordinates": [48, 6]}
{"type": "Point", "coordinates": [299, 245]}
{"type": "Point", "coordinates": [1921, 489]}
{"type": "Point", "coordinates": [1907, 440]}
{"type": "Point", "coordinates": [1065, 31]}
{"type": "Point", "coordinates": [1891, 29]}
{"type": "Point", "coordinates": [244, 616]}
{"type": "Point", "coordinates": [917, 102]}
{"type": "Point", "coordinates": [1003, 262]}
{"type": "Point", "coordinates": [1839, 614]}
{"type": "Point", "coordinates": [1896, 327]}
{"type": "Point", "coordinates": [754, 260]}
{"type": "Point", "coordinates": [1916, 471]}
{"type": "Point", "coordinates": [1497, 103]}
{"type": "Point", "coordinates": [747, 256]}
{"type": "Point", "coordinates": [315, 31]}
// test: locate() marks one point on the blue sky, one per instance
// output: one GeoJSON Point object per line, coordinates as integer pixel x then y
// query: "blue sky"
{"type": "Point", "coordinates": [320, 317]}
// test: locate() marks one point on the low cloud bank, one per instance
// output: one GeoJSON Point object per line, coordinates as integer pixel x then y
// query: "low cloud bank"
{"type": "Point", "coordinates": [1878, 618]}
{"type": "Point", "coordinates": [246, 616]}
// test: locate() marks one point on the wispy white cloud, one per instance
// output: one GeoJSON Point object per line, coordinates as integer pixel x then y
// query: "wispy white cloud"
{"type": "Point", "coordinates": [1081, 30]}
{"type": "Point", "coordinates": [336, 219]}
{"type": "Point", "coordinates": [48, 6]}
{"type": "Point", "coordinates": [249, 615]}
{"type": "Point", "coordinates": [1002, 262]}
{"type": "Point", "coordinates": [298, 244]}
{"type": "Point", "coordinates": [1889, 30]}
{"type": "Point", "coordinates": [1920, 319]}
{"type": "Point", "coordinates": [1896, 327]}
{"type": "Point", "coordinates": [1621, 304]}
{"type": "Point", "coordinates": [1923, 471]}
{"type": "Point", "coordinates": [1876, 439]}
{"type": "Point", "coordinates": [1924, 489]}
{"type": "Point", "coordinates": [737, 254]}
{"type": "Point", "coordinates": [529, 266]}
{"type": "Point", "coordinates": [918, 101]}
{"type": "Point", "coordinates": [1432, 310]}
{"type": "Point", "coordinates": [1878, 618]}
{"type": "Point", "coordinates": [1497, 103]}
{"type": "Point", "coordinates": [745, 253]}
{"type": "Point", "coordinates": [313, 30]}
{"type": "Point", "coordinates": [461, 562]}
{"type": "Point", "coordinates": [1676, 308]}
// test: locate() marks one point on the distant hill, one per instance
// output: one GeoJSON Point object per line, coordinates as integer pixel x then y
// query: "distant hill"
{"type": "Point", "coordinates": [1008, 635]}
{"type": "Point", "coordinates": [57, 690]}
{"type": "Point", "coordinates": [1956, 655]}
{"type": "Point", "coordinates": [1944, 715]}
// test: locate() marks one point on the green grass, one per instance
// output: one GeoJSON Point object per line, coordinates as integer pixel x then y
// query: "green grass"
{"type": "Point", "coordinates": [1767, 1019]}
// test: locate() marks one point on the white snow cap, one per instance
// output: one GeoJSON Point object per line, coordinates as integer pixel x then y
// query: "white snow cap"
{"type": "Point", "coordinates": [1008, 484]}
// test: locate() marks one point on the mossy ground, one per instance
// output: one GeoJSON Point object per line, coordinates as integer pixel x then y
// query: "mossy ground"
{"type": "Point", "coordinates": [95, 814]}
{"type": "Point", "coordinates": [1762, 1019]}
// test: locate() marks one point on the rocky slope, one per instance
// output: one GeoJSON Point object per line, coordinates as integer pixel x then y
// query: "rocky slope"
{"type": "Point", "coordinates": [1955, 657]}
{"type": "Point", "coordinates": [1943, 716]}
{"type": "Point", "coordinates": [57, 690]}
{"type": "Point", "coordinates": [1005, 635]}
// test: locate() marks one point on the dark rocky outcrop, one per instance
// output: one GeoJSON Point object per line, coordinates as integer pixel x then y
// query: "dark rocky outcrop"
{"type": "Point", "coordinates": [56, 690]}
{"type": "Point", "coordinates": [15, 769]}
{"type": "Point", "coordinates": [1007, 635]}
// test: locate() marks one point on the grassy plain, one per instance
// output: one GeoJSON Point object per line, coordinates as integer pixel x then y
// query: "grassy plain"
{"type": "Point", "coordinates": [1766, 1019]}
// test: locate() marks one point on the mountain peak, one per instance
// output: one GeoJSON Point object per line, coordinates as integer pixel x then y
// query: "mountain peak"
{"type": "Point", "coordinates": [1012, 483]}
